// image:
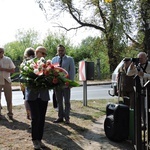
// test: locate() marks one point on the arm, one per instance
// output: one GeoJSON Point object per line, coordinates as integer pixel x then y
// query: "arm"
{"type": "Point", "coordinates": [10, 70]}
{"type": "Point", "coordinates": [147, 73]}
{"type": "Point", "coordinates": [71, 69]}
{"type": "Point", "coordinates": [131, 70]}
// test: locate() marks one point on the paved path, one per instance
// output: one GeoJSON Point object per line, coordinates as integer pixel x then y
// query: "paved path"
{"type": "Point", "coordinates": [93, 82]}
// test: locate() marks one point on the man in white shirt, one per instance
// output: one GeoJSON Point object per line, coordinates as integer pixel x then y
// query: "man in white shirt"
{"type": "Point", "coordinates": [6, 67]}
{"type": "Point", "coordinates": [142, 69]}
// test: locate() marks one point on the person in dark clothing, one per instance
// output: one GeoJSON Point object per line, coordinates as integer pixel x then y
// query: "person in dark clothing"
{"type": "Point", "coordinates": [126, 84]}
{"type": "Point", "coordinates": [38, 102]}
{"type": "Point", "coordinates": [29, 53]}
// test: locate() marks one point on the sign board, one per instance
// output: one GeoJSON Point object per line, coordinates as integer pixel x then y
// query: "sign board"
{"type": "Point", "coordinates": [82, 71]}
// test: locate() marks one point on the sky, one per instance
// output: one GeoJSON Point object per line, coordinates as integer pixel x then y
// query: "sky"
{"type": "Point", "coordinates": [24, 15]}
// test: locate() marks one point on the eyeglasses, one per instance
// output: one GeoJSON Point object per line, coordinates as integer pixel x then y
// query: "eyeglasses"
{"type": "Point", "coordinates": [43, 53]}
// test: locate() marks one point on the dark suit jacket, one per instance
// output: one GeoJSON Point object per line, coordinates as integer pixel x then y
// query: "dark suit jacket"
{"type": "Point", "coordinates": [31, 94]}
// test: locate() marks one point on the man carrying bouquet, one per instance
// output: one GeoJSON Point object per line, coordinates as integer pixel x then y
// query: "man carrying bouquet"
{"type": "Point", "coordinates": [63, 93]}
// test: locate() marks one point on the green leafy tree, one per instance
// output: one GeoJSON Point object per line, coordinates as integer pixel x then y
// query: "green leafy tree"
{"type": "Point", "coordinates": [113, 20]}
{"type": "Point", "coordinates": [92, 50]}
{"type": "Point", "coordinates": [28, 38]}
{"type": "Point", "coordinates": [145, 15]}
{"type": "Point", "coordinates": [15, 50]}
{"type": "Point", "coordinates": [53, 40]}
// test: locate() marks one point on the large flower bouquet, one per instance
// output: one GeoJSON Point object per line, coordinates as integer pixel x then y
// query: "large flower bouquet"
{"type": "Point", "coordinates": [39, 73]}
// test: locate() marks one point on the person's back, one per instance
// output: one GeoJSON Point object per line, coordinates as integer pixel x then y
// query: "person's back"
{"type": "Point", "coordinates": [126, 84]}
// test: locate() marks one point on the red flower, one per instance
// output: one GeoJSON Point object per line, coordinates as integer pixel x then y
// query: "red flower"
{"type": "Point", "coordinates": [55, 74]}
{"type": "Point", "coordinates": [52, 67]}
{"type": "Point", "coordinates": [67, 76]}
{"type": "Point", "coordinates": [44, 66]}
{"type": "Point", "coordinates": [55, 80]}
{"type": "Point", "coordinates": [46, 72]}
{"type": "Point", "coordinates": [67, 83]}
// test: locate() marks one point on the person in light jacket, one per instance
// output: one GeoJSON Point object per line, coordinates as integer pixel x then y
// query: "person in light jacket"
{"type": "Point", "coordinates": [141, 68]}
{"type": "Point", "coordinates": [66, 62]}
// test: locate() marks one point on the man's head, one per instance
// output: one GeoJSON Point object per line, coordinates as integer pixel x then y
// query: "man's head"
{"type": "Point", "coordinates": [142, 57]}
{"type": "Point", "coordinates": [61, 50]}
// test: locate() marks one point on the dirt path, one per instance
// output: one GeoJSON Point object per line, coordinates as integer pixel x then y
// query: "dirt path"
{"type": "Point", "coordinates": [81, 134]}
{"type": "Point", "coordinates": [98, 140]}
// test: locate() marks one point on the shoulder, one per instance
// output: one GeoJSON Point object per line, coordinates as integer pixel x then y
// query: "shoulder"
{"type": "Point", "coordinates": [148, 65]}
{"type": "Point", "coordinates": [68, 57]}
{"type": "Point", "coordinates": [54, 57]}
{"type": "Point", "coordinates": [7, 58]}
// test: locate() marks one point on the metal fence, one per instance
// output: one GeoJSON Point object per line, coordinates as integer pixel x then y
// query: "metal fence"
{"type": "Point", "coordinates": [142, 116]}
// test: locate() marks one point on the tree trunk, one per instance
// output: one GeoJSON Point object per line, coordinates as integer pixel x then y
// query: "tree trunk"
{"type": "Point", "coordinates": [145, 12]}
{"type": "Point", "coordinates": [113, 56]}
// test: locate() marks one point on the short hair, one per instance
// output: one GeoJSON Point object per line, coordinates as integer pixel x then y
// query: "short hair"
{"type": "Point", "coordinates": [142, 54]}
{"type": "Point", "coordinates": [60, 45]}
{"type": "Point", "coordinates": [40, 48]}
{"type": "Point", "coordinates": [1, 48]}
{"type": "Point", "coordinates": [29, 52]}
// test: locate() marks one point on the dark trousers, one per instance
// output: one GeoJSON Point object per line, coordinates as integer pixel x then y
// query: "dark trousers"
{"type": "Point", "coordinates": [38, 112]}
{"type": "Point", "coordinates": [54, 100]}
{"type": "Point", "coordinates": [63, 111]}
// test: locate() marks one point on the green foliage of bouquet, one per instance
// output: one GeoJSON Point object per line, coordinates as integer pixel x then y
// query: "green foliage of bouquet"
{"type": "Point", "coordinates": [39, 73]}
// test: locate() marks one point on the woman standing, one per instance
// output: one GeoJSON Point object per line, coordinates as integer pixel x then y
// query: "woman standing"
{"type": "Point", "coordinates": [38, 102]}
{"type": "Point", "coordinates": [29, 53]}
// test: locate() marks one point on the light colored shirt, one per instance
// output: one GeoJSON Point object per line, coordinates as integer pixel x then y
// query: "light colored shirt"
{"type": "Point", "coordinates": [67, 64]}
{"type": "Point", "coordinates": [134, 71]}
{"type": "Point", "coordinates": [5, 62]}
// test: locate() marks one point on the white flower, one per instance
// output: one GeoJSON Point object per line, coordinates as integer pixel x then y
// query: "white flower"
{"type": "Point", "coordinates": [49, 61]}
{"type": "Point", "coordinates": [31, 65]}
{"type": "Point", "coordinates": [42, 59]}
{"type": "Point", "coordinates": [22, 65]}
{"type": "Point", "coordinates": [26, 68]}
{"type": "Point", "coordinates": [36, 71]}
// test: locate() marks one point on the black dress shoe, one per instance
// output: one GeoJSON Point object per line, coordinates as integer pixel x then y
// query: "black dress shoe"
{"type": "Point", "coordinates": [58, 120]}
{"type": "Point", "coordinates": [67, 122]}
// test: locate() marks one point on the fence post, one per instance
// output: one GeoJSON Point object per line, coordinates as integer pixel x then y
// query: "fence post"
{"type": "Point", "coordinates": [147, 86]}
{"type": "Point", "coordinates": [138, 135]}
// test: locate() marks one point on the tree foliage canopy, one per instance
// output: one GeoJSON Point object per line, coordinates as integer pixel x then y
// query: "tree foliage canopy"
{"type": "Point", "coordinates": [115, 20]}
